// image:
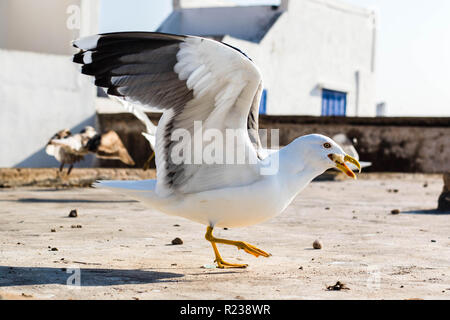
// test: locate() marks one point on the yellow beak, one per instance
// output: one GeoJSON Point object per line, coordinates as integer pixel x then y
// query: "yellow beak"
{"type": "Point", "coordinates": [340, 160]}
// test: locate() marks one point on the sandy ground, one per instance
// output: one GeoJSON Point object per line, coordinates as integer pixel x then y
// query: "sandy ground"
{"type": "Point", "coordinates": [123, 250]}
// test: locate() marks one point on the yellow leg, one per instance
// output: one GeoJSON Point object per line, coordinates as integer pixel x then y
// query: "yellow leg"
{"type": "Point", "coordinates": [223, 264]}
{"type": "Point", "coordinates": [239, 244]}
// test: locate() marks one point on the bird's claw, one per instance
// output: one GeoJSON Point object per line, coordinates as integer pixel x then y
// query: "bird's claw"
{"type": "Point", "coordinates": [252, 249]}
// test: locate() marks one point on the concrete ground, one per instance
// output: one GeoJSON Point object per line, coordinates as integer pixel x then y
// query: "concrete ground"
{"type": "Point", "coordinates": [118, 249]}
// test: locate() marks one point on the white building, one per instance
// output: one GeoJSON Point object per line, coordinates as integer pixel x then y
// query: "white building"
{"type": "Point", "coordinates": [316, 58]}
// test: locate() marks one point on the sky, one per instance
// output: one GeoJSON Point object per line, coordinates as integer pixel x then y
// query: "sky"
{"type": "Point", "coordinates": [413, 55]}
{"type": "Point", "coordinates": [120, 15]}
{"type": "Point", "coordinates": [412, 50]}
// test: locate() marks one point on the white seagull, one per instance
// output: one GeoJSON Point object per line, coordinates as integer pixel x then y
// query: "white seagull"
{"type": "Point", "coordinates": [193, 79]}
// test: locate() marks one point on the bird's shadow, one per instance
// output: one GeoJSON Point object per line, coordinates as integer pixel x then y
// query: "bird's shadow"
{"type": "Point", "coordinates": [20, 276]}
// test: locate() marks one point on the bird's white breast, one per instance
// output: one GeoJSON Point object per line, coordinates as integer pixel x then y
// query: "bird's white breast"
{"type": "Point", "coordinates": [232, 207]}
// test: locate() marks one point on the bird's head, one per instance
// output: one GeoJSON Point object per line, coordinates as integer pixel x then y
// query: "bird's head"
{"type": "Point", "coordinates": [323, 153]}
{"type": "Point", "coordinates": [60, 135]}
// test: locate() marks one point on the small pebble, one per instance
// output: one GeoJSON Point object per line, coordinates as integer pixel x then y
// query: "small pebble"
{"type": "Point", "coordinates": [53, 230]}
{"type": "Point", "coordinates": [433, 240]}
{"type": "Point", "coordinates": [338, 286]}
{"type": "Point", "coordinates": [317, 244]}
{"type": "Point", "coordinates": [54, 249]}
{"type": "Point", "coordinates": [73, 213]}
{"type": "Point", "coordinates": [76, 226]}
{"type": "Point", "coordinates": [177, 241]}
{"type": "Point", "coordinates": [176, 225]}
{"type": "Point", "coordinates": [395, 211]}
{"type": "Point", "coordinates": [225, 228]}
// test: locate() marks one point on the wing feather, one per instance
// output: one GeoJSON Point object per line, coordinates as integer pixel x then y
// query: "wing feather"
{"type": "Point", "coordinates": [190, 79]}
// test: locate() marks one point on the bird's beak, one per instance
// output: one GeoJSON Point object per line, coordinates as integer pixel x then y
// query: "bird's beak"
{"type": "Point", "coordinates": [340, 160]}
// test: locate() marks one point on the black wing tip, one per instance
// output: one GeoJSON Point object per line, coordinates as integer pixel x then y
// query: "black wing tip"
{"type": "Point", "coordinates": [104, 82]}
{"type": "Point", "coordinates": [78, 57]}
{"type": "Point", "coordinates": [114, 92]}
{"type": "Point", "coordinates": [88, 70]}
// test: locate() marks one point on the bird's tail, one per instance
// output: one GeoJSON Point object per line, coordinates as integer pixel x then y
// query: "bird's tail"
{"type": "Point", "coordinates": [141, 190]}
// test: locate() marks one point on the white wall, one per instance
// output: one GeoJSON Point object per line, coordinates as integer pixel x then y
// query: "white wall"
{"type": "Point", "coordinates": [316, 42]}
{"type": "Point", "coordinates": [40, 94]}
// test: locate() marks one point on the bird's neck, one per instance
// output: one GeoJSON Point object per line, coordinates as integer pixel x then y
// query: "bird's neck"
{"type": "Point", "coordinates": [294, 171]}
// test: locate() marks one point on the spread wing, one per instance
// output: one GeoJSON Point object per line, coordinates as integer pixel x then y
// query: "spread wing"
{"type": "Point", "coordinates": [191, 79]}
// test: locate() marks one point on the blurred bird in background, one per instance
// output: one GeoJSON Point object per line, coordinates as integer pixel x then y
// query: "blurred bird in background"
{"type": "Point", "coordinates": [349, 147]}
{"type": "Point", "coordinates": [70, 148]}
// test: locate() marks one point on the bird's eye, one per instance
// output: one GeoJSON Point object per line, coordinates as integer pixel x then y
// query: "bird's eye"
{"type": "Point", "coordinates": [327, 145]}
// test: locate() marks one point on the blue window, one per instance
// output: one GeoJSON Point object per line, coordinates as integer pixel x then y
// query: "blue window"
{"type": "Point", "coordinates": [263, 102]}
{"type": "Point", "coordinates": [334, 103]}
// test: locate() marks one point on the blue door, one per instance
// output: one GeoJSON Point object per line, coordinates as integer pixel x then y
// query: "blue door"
{"type": "Point", "coordinates": [334, 103]}
{"type": "Point", "coordinates": [263, 103]}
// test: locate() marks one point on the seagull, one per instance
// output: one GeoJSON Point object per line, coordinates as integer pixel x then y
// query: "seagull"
{"type": "Point", "coordinates": [56, 148]}
{"type": "Point", "coordinates": [204, 86]}
{"type": "Point", "coordinates": [70, 148]}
